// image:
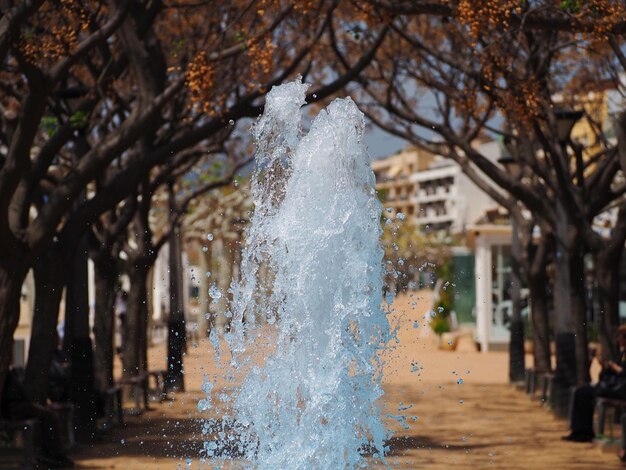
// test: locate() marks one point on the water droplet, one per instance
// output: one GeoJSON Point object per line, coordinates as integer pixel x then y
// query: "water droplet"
{"type": "Point", "coordinates": [203, 405]}
{"type": "Point", "coordinates": [123, 441]}
{"type": "Point", "coordinates": [461, 402]}
{"type": "Point", "coordinates": [205, 249]}
{"type": "Point", "coordinates": [459, 381]}
{"type": "Point", "coordinates": [214, 292]}
{"type": "Point", "coordinates": [440, 309]}
{"type": "Point", "coordinates": [209, 236]}
{"type": "Point", "coordinates": [231, 122]}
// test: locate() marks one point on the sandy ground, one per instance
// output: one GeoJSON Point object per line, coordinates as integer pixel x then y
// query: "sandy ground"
{"type": "Point", "coordinates": [480, 423]}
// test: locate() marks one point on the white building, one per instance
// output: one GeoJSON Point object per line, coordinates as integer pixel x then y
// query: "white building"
{"type": "Point", "coordinates": [492, 248]}
{"type": "Point", "coordinates": [431, 190]}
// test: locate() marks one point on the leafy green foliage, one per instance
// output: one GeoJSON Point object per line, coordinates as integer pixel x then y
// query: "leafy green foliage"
{"type": "Point", "coordinates": [50, 125]}
{"type": "Point", "coordinates": [571, 6]}
{"type": "Point", "coordinates": [79, 119]}
{"type": "Point", "coordinates": [440, 324]}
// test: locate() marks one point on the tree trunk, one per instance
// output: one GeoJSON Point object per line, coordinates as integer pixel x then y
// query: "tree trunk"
{"type": "Point", "coordinates": [49, 283]}
{"type": "Point", "coordinates": [135, 347]}
{"type": "Point", "coordinates": [105, 280]}
{"type": "Point", "coordinates": [539, 313]}
{"type": "Point", "coordinates": [608, 266]}
{"type": "Point", "coordinates": [77, 341]}
{"type": "Point", "coordinates": [12, 276]}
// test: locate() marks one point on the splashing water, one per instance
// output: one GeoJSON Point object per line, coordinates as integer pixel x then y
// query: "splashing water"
{"type": "Point", "coordinates": [312, 281]}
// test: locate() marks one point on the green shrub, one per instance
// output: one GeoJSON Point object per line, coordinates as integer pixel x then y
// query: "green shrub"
{"type": "Point", "coordinates": [440, 324]}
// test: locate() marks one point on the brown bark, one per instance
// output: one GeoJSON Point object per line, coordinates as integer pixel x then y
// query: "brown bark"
{"type": "Point", "coordinates": [11, 278]}
{"type": "Point", "coordinates": [49, 283]}
{"type": "Point", "coordinates": [135, 344]}
{"type": "Point", "coordinates": [537, 281]}
{"type": "Point", "coordinates": [607, 275]}
{"type": "Point", "coordinates": [533, 258]}
{"type": "Point", "coordinates": [105, 280]}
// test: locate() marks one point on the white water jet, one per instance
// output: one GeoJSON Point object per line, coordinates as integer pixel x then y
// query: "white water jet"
{"type": "Point", "coordinates": [312, 279]}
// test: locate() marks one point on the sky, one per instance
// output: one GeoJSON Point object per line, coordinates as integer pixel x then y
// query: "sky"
{"type": "Point", "coordinates": [381, 144]}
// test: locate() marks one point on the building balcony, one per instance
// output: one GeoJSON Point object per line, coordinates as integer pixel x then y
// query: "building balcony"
{"type": "Point", "coordinates": [434, 219]}
{"type": "Point", "coordinates": [398, 202]}
{"type": "Point", "coordinates": [423, 197]}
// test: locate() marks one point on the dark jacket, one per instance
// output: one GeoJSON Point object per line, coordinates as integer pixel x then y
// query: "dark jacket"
{"type": "Point", "coordinates": [13, 392]}
{"type": "Point", "coordinates": [613, 384]}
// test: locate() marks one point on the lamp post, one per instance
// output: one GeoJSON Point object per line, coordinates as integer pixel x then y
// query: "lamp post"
{"type": "Point", "coordinates": [517, 365]}
{"type": "Point", "coordinates": [564, 332]}
{"type": "Point", "coordinates": [176, 338]}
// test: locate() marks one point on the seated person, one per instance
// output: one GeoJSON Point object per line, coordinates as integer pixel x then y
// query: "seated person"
{"type": "Point", "coordinates": [612, 384]}
{"type": "Point", "coordinates": [622, 452]}
{"type": "Point", "coordinates": [16, 406]}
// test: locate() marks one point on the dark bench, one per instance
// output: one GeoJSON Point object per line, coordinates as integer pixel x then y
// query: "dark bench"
{"type": "Point", "coordinates": [547, 387]}
{"type": "Point", "coordinates": [26, 428]}
{"type": "Point", "coordinates": [530, 381]}
{"type": "Point", "coordinates": [65, 412]}
{"type": "Point", "coordinates": [538, 381]}
{"type": "Point", "coordinates": [602, 405]}
{"type": "Point", "coordinates": [139, 386]}
{"type": "Point", "coordinates": [113, 406]}
{"type": "Point", "coordinates": [159, 383]}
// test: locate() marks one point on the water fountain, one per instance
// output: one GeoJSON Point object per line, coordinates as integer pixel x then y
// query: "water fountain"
{"type": "Point", "coordinates": [310, 293]}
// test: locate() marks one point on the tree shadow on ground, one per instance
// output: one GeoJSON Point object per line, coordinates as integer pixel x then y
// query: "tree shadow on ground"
{"type": "Point", "coordinates": [399, 445]}
{"type": "Point", "coordinates": [153, 434]}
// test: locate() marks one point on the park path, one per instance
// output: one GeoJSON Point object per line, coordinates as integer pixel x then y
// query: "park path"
{"type": "Point", "coordinates": [480, 423]}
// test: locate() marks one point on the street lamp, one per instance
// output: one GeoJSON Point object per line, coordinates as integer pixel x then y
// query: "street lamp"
{"type": "Point", "coordinates": [565, 375]}
{"type": "Point", "coordinates": [176, 337]}
{"type": "Point", "coordinates": [565, 121]}
{"type": "Point", "coordinates": [517, 365]}
{"type": "Point", "coordinates": [511, 165]}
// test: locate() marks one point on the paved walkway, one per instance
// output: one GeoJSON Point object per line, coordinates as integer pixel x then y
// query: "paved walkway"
{"type": "Point", "coordinates": [479, 423]}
